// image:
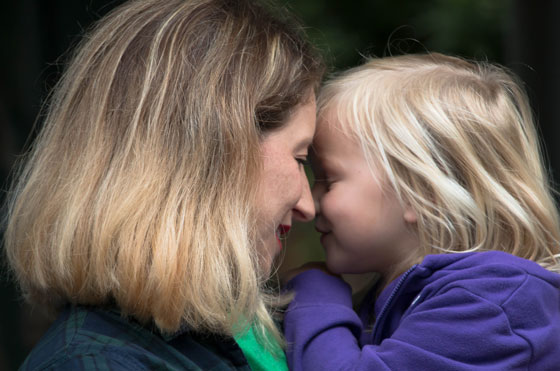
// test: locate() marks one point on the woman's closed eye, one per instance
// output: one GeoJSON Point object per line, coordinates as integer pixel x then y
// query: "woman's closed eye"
{"type": "Point", "coordinates": [303, 161]}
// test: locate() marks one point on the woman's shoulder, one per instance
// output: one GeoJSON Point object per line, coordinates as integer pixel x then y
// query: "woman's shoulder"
{"type": "Point", "coordinates": [95, 339]}
{"type": "Point", "coordinates": [92, 339]}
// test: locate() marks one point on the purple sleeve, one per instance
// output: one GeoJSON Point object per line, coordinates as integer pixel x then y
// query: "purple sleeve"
{"type": "Point", "coordinates": [320, 326]}
{"type": "Point", "coordinates": [453, 330]}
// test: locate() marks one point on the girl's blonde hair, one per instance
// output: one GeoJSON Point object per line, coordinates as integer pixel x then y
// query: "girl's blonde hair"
{"type": "Point", "coordinates": [139, 191]}
{"type": "Point", "coordinates": [457, 142]}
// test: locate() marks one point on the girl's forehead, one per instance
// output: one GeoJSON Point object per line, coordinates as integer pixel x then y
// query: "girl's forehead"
{"type": "Point", "coordinates": [330, 130]}
{"type": "Point", "coordinates": [332, 145]}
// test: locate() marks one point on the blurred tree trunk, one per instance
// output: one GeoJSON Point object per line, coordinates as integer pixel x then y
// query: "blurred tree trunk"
{"type": "Point", "coordinates": [533, 51]}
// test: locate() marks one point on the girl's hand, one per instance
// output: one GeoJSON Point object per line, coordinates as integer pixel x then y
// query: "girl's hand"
{"type": "Point", "coordinates": [287, 276]}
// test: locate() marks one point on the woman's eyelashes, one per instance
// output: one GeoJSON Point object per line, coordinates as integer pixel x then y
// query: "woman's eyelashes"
{"type": "Point", "coordinates": [303, 161]}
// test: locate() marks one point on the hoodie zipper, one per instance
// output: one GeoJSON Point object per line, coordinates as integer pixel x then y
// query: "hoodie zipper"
{"type": "Point", "coordinates": [381, 316]}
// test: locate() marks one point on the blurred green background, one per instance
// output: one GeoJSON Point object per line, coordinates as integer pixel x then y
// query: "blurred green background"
{"type": "Point", "coordinates": [519, 34]}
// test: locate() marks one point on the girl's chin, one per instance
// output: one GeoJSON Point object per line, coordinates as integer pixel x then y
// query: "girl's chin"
{"type": "Point", "coordinates": [336, 264]}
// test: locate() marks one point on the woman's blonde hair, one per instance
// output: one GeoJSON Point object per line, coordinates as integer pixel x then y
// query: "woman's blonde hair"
{"type": "Point", "coordinates": [139, 190]}
{"type": "Point", "coordinates": [457, 142]}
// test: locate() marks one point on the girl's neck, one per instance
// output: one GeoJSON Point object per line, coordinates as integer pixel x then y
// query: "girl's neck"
{"type": "Point", "coordinates": [393, 272]}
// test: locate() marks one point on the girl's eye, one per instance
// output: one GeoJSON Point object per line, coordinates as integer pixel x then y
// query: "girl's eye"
{"type": "Point", "coordinates": [323, 182]}
{"type": "Point", "coordinates": [302, 161]}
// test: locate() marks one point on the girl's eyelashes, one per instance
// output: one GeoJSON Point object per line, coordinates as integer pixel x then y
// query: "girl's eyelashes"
{"type": "Point", "coordinates": [325, 182]}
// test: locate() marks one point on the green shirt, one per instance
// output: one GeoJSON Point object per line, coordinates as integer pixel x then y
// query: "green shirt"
{"type": "Point", "coordinates": [259, 358]}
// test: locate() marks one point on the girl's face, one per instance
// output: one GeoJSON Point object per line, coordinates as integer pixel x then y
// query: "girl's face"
{"type": "Point", "coordinates": [363, 226]}
{"type": "Point", "coordinates": [284, 190]}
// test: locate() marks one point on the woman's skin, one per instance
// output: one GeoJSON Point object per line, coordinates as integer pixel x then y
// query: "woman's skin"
{"type": "Point", "coordinates": [284, 190]}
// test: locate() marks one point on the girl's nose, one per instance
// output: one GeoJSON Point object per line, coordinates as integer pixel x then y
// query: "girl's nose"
{"type": "Point", "coordinates": [317, 192]}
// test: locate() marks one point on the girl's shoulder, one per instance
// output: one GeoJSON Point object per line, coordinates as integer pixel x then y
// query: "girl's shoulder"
{"type": "Point", "coordinates": [497, 277]}
{"type": "Point", "coordinates": [503, 306]}
{"type": "Point", "coordinates": [489, 264]}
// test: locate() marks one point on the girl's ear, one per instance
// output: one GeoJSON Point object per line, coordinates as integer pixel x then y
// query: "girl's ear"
{"type": "Point", "coordinates": [410, 215]}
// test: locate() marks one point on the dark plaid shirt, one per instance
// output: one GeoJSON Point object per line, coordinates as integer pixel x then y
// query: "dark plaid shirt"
{"type": "Point", "coordinates": [95, 339]}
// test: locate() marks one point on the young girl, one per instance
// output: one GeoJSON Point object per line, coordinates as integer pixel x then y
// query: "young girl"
{"type": "Point", "coordinates": [429, 173]}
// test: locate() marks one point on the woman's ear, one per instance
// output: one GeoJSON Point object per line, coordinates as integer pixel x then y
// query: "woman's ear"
{"type": "Point", "coordinates": [410, 214]}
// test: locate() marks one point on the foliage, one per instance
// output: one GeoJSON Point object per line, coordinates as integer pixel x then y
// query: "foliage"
{"type": "Point", "coordinates": [347, 30]}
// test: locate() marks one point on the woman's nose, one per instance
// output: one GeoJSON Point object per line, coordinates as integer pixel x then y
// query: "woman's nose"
{"type": "Point", "coordinates": [304, 210]}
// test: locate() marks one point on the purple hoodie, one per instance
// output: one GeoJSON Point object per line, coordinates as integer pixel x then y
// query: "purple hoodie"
{"type": "Point", "coordinates": [469, 311]}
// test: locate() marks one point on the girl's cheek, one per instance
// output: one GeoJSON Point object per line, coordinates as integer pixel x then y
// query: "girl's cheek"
{"type": "Point", "coordinates": [329, 204]}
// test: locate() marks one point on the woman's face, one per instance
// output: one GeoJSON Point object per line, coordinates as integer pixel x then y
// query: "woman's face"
{"type": "Point", "coordinates": [284, 192]}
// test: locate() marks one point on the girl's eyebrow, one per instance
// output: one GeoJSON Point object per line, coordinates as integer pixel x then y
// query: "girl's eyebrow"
{"type": "Point", "coordinates": [314, 160]}
{"type": "Point", "coordinates": [326, 161]}
{"type": "Point", "coordinates": [322, 165]}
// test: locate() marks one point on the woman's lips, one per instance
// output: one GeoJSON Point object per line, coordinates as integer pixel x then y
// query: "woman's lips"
{"type": "Point", "coordinates": [282, 233]}
{"type": "Point", "coordinates": [283, 229]}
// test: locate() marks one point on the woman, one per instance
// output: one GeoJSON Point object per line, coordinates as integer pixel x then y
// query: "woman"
{"type": "Point", "coordinates": [153, 202]}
